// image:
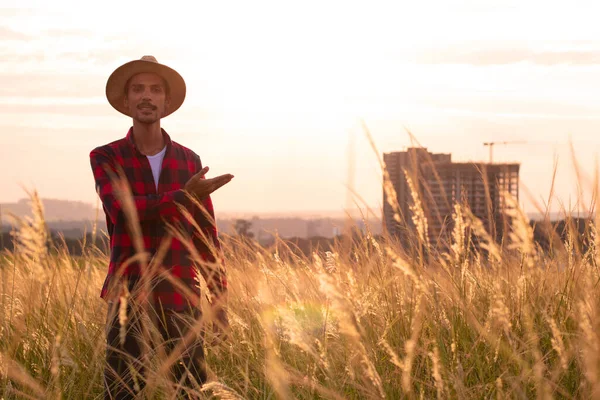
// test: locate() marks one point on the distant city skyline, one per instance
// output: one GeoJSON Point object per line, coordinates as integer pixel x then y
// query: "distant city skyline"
{"type": "Point", "coordinates": [86, 210]}
{"type": "Point", "coordinates": [73, 218]}
{"type": "Point", "coordinates": [277, 93]}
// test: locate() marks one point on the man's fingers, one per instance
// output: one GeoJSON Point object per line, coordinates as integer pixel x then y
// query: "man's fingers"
{"type": "Point", "coordinates": [219, 181]}
{"type": "Point", "coordinates": [223, 179]}
{"type": "Point", "coordinates": [224, 176]}
{"type": "Point", "coordinates": [203, 171]}
{"type": "Point", "coordinates": [204, 187]}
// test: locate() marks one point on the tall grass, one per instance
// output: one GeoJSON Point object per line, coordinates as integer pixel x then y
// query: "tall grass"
{"type": "Point", "coordinates": [505, 320]}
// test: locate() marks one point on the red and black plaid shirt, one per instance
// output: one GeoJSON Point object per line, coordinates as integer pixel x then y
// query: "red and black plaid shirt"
{"type": "Point", "coordinates": [156, 208]}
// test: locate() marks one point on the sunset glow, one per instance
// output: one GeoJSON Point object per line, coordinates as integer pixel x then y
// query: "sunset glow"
{"type": "Point", "coordinates": [275, 91]}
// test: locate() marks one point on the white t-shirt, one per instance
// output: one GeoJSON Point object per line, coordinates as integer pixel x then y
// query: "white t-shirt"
{"type": "Point", "coordinates": [156, 164]}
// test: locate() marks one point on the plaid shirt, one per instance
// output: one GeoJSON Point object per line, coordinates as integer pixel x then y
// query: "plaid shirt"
{"type": "Point", "coordinates": [155, 208]}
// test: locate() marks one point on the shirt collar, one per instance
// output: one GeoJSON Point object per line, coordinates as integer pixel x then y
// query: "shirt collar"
{"type": "Point", "coordinates": [131, 140]}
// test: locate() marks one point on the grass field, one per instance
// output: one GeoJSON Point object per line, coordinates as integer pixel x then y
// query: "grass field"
{"type": "Point", "coordinates": [364, 320]}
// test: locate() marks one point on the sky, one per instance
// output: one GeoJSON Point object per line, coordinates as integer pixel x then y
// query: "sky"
{"type": "Point", "coordinates": [277, 92]}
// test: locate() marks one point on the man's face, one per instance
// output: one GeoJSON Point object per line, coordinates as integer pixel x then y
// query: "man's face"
{"type": "Point", "coordinates": [146, 98]}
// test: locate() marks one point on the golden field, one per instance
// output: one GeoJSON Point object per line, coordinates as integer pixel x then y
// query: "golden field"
{"type": "Point", "coordinates": [362, 320]}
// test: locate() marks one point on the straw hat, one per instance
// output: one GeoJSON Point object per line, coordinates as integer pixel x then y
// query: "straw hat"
{"type": "Point", "coordinates": [115, 86]}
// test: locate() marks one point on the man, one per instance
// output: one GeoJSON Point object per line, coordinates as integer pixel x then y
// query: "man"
{"type": "Point", "coordinates": [160, 219]}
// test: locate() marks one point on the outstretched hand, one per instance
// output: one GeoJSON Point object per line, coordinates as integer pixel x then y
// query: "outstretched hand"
{"type": "Point", "coordinates": [201, 187]}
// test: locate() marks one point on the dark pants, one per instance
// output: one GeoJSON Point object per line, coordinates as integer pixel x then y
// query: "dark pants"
{"type": "Point", "coordinates": [124, 372]}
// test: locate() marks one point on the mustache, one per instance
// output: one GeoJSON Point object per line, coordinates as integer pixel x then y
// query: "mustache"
{"type": "Point", "coordinates": [144, 105]}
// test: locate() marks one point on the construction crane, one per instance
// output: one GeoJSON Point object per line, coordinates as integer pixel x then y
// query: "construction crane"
{"type": "Point", "coordinates": [491, 145]}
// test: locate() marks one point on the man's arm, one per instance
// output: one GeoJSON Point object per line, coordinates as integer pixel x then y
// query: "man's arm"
{"type": "Point", "coordinates": [209, 247]}
{"type": "Point", "coordinates": [213, 269]}
{"type": "Point", "coordinates": [148, 207]}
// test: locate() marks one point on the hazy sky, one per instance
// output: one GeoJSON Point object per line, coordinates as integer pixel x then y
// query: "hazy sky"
{"type": "Point", "coordinates": [276, 90]}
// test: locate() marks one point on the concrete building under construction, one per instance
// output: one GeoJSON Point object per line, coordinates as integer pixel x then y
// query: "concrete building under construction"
{"type": "Point", "coordinates": [440, 184]}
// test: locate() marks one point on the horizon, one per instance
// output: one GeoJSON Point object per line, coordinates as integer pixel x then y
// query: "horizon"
{"type": "Point", "coordinates": [249, 215]}
{"type": "Point", "coordinates": [224, 214]}
{"type": "Point", "coordinates": [280, 106]}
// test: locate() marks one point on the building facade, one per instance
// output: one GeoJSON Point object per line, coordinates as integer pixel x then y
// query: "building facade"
{"type": "Point", "coordinates": [440, 184]}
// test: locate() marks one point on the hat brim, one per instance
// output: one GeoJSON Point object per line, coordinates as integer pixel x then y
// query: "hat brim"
{"type": "Point", "coordinates": [115, 86]}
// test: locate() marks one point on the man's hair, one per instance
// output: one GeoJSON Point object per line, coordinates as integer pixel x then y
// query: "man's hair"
{"type": "Point", "coordinates": [166, 85]}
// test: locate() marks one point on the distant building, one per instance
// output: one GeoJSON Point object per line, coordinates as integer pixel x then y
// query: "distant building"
{"type": "Point", "coordinates": [396, 163]}
{"type": "Point", "coordinates": [441, 183]}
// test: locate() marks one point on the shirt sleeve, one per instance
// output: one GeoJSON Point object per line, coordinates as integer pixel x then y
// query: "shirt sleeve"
{"type": "Point", "coordinates": [149, 207]}
{"type": "Point", "coordinates": [214, 274]}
